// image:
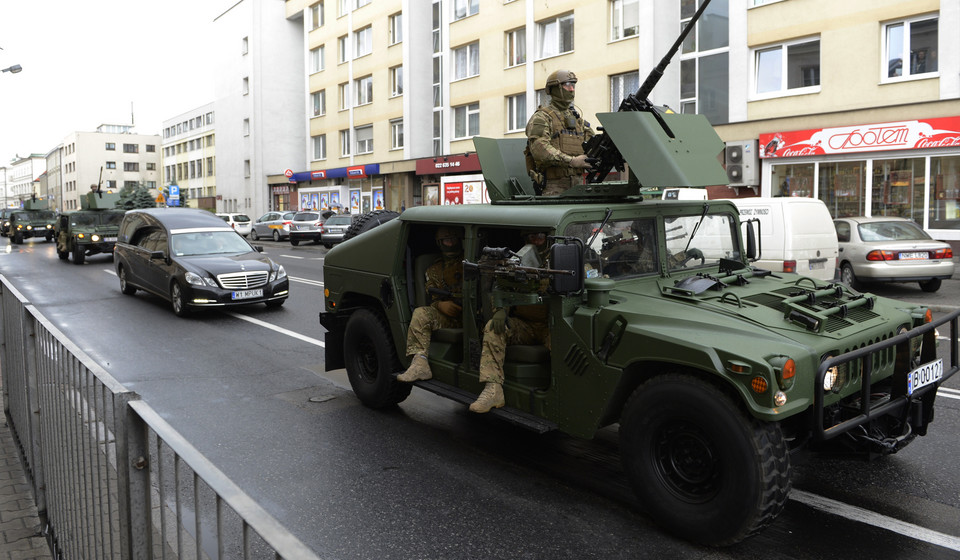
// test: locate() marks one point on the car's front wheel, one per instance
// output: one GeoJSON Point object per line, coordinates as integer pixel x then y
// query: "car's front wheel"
{"type": "Point", "coordinates": [371, 361]}
{"type": "Point", "coordinates": [702, 467]}
{"type": "Point", "coordinates": [177, 300]}
{"type": "Point", "coordinates": [931, 285]}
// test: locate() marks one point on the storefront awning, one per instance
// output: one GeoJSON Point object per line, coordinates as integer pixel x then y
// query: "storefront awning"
{"type": "Point", "coordinates": [352, 172]}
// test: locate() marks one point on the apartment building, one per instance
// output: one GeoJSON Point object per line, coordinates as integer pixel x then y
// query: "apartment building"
{"type": "Point", "coordinates": [114, 157]}
{"type": "Point", "coordinates": [22, 179]}
{"type": "Point", "coordinates": [189, 158]}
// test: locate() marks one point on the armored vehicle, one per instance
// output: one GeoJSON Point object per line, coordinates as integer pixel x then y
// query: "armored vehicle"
{"type": "Point", "coordinates": [91, 230]}
{"type": "Point", "coordinates": [34, 220]}
{"type": "Point", "coordinates": [716, 371]}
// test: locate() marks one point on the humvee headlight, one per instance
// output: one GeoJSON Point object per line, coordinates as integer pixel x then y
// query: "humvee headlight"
{"type": "Point", "coordinates": [835, 378]}
{"type": "Point", "coordinates": [49, 226]}
{"type": "Point", "coordinates": [780, 398]}
{"type": "Point", "coordinates": [29, 228]}
{"type": "Point", "coordinates": [81, 236]}
{"type": "Point", "coordinates": [95, 238]}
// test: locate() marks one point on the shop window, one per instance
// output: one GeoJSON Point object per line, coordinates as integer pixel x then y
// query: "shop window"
{"type": "Point", "coordinates": [944, 193]}
{"type": "Point", "coordinates": [897, 188]}
{"type": "Point", "coordinates": [793, 180]}
{"type": "Point", "coordinates": [842, 187]}
{"type": "Point", "coordinates": [913, 41]}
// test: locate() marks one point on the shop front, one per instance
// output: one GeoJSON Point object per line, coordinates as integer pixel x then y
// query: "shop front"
{"type": "Point", "coordinates": [355, 189]}
{"type": "Point", "coordinates": [451, 179]}
{"type": "Point", "coordinates": [908, 169]}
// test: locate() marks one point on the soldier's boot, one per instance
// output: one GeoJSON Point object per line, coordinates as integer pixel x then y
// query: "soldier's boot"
{"type": "Point", "coordinates": [419, 370]}
{"type": "Point", "coordinates": [491, 397]}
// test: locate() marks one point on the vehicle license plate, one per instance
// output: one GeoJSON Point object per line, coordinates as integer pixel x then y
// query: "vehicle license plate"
{"type": "Point", "coordinates": [110, 239]}
{"type": "Point", "coordinates": [816, 265]}
{"type": "Point", "coordinates": [924, 375]}
{"type": "Point", "coordinates": [247, 294]}
{"type": "Point", "coordinates": [923, 255]}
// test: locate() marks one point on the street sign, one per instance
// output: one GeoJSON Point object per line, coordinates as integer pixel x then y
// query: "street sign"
{"type": "Point", "coordinates": [288, 173]}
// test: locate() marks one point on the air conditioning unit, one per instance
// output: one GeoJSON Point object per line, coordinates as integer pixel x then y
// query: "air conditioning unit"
{"type": "Point", "coordinates": [742, 161]}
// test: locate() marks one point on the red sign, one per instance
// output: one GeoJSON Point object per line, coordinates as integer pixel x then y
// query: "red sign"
{"type": "Point", "coordinates": [288, 173]}
{"type": "Point", "coordinates": [356, 172]}
{"type": "Point", "coordinates": [903, 135]}
{"type": "Point", "coordinates": [441, 165]}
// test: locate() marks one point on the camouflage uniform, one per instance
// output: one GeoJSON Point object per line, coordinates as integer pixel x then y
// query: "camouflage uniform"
{"type": "Point", "coordinates": [445, 274]}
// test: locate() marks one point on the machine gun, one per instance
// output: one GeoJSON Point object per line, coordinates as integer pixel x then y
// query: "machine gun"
{"type": "Point", "coordinates": [601, 146]}
{"type": "Point", "coordinates": [505, 263]}
{"type": "Point", "coordinates": [446, 295]}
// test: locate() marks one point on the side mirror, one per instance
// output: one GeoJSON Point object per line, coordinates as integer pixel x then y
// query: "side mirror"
{"type": "Point", "coordinates": [753, 252]}
{"type": "Point", "coordinates": [567, 256]}
{"type": "Point", "coordinates": [157, 255]}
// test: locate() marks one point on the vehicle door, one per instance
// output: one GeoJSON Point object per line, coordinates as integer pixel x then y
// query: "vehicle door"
{"type": "Point", "coordinates": [156, 271]}
{"type": "Point", "coordinates": [263, 223]}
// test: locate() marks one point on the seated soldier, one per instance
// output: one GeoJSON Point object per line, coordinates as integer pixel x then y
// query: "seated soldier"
{"type": "Point", "coordinates": [444, 285]}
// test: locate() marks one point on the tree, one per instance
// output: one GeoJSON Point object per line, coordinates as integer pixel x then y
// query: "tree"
{"type": "Point", "coordinates": [136, 196]}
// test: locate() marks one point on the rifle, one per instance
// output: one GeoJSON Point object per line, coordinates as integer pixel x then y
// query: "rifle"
{"type": "Point", "coordinates": [601, 146]}
{"type": "Point", "coordinates": [505, 263]}
{"type": "Point", "coordinates": [446, 295]}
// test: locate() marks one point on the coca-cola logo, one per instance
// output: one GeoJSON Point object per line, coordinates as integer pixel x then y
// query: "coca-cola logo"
{"type": "Point", "coordinates": [941, 142]}
{"type": "Point", "coordinates": [870, 138]}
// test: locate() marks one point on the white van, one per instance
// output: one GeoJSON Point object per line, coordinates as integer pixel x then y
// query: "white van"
{"type": "Point", "coordinates": [796, 235]}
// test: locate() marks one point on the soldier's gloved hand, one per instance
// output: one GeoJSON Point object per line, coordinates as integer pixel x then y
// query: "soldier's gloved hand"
{"type": "Point", "coordinates": [449, 308]}
{"type": "Point", "coordinates": [580, 162]}
{"type": "Point", "coordinates": [695, 254]}
{"type": "Point", "coordinates": [498, 323]}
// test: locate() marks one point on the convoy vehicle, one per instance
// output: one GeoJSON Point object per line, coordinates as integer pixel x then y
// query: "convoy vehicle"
{"type": "Point", "coordinates": [34, 220]}
{"type": "Point", "coordinates": [192, 259]}
{"type": "Point", "coordinates": [716, 370]}
{"type": "Point", "coordinates": [5, 220]}
{"type": "Point", "coordinates": [91, 230]}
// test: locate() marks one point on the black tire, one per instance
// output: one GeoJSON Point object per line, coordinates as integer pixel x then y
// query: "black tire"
{"type": "Point", "coordinates": [179, 306]}
{"type": "Point", "coordinates": [62, 255]}
{"type": "Point", "coordinates": [294, 242]}
{"type": "Point", "coordinates": [700, 466]}
{"type": "Point", "coordinates": [328, 245]}
{"type": "Point", "coordinates": [125, 287]}
{"type": "Point", "coordinates": [18, 238]}
{"type": "Point", "coordinates": [371, 361]}
{"type": "Point", "coordinates": [931, 285]}
{"type": "Point", "coordinates": [848, 277]}
{"type": "Point", "coordinates": [276, 235]}
{"type": "Point", "coordinates": [79, 255]}
{"type": "Point", "coordinates": [368, 221]}
{"type": "Point", "coordinates": [253, 235]}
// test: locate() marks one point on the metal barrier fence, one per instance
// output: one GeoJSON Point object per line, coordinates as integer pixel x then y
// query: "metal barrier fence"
{"type": "Point", "coordinates": [112, 478]}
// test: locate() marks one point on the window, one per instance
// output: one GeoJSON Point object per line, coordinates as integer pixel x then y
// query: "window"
{"type": "Point", "coordinates": [316, 59]}
{"type": "Point", "coordinates": [364, 88]}
{"type": "Point", "coordinates": [364, 41]}
{"type": "Point", "coordinates": [466, 61]}
{"type": "Point", "coordinates": [516, 47]}
{"type": "Point", "coordinates": [344, 143]}
{"type": "Point", "coordinates": [245, 86]}
{"type": "Point", "coordinates": [395, 29]}
{"type": "Point", "coordinates": [245, 45]}
{"type": "Point", "coordinates": [913, 40]}
{"type": "Point", "coordinates": [396, 134]}
{"type": "Point", "coordinates": [111, 165]}
{"type": "Point", "coordinates": [151, 148]}
{"type": "Point", "coordinates": [110, 146]}
{"type": "Point", "coordinates": [320, 147]}
{"type": "Point", "coordinates": [319, 99]}
{"type": "Point", "coordinates": [621, 86]}
{"type": "Point", "coordinates": [210, 169]}
{"type": "Point", "coordinates": [131, 148]}
{"type": "Point", "coordinates": [466, 120]}
{"type": "Point", "coordinates": [704, 62]}
{"type": "Point", "coordinates": [786, 67]}
{"type": "Point", "coordinates": [624, 19]}
{"type": "Point", "coordinates": [316, 15]}
{"type": "Point", "coordinates": [345, 7]}
{"type": "Point", "coordinates": [246, 168]}
{"type": "Point", "coordinates": [343, 94]}
{"type": "Point", "coordinates": [246, 127]}
{"type": "Point", "coordinates": [362, 3]}
{"type": "Point", "coordinates": [464, 8]}
{"type": "Point", "coordinates": [131, 166]}
{"type": "Point", "coordinates": [396, 81]}
{"type": "Point", "coordinates": [516, 112]}
{"type": "Point", "coordinates": [342, 54]}
{"type": "Point", "coordinates": [364, 136]}
{"type": "Point", "coordinates": [153, 166]}
{"type": "Point", "coordinates": [555, 36]}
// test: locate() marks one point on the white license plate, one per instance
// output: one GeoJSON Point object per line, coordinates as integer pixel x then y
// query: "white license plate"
{"type": "Point", "coordinates": [924, 375]}
{"type": "Point", "coordinates": [923, 255]}
{"type": "Point", "coordinates": [247, 294]}
{"type": "Point", "coordinates": [110, 239]}
{"type": "Point", "coordinates": [816, 265]}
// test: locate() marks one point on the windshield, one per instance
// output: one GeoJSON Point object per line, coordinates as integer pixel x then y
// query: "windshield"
{"type": "Point", "coordinates": [692, 242]}
{"type": "Point", "coordinates": [208, 243]}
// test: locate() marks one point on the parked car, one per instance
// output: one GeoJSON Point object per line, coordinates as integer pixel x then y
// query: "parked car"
{"type": "Point", "coordinates": [192, 259]}
{"type": "Point", "coordinates": [332, 230]}
{"type": "Point", "coordinates": [275, 225]}
{"type": "Point", "coordinates": [306, 225]}
{"type": "Point", "coordinates": [239, 222]}
{"type": "Point", "coordinates": [884, 249]}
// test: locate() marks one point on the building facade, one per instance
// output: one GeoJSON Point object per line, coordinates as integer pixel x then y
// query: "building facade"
{"type": "Point", "coordinates": [23, 180]}
{"type": "Point", "coordinates": [189, 157]}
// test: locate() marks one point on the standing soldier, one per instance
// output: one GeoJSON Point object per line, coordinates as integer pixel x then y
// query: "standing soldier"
{"type": "Point", "coordinates": [445, 279]}
{"type": "Point", "coordinates": [555, 137]}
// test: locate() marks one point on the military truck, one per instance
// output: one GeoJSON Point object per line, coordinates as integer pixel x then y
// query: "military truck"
{"type": "Point", "coordinates": [92, 229]}
{"type": "Point", "coordinates": [715, 371]}
{"type": "Point", "coordinates": [34, 220]}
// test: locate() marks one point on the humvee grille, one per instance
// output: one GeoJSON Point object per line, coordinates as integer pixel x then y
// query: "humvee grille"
{"type": "Point", "coordinates": [242, 280]}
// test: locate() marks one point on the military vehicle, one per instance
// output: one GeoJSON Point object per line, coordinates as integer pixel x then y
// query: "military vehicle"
{"type": "Point", "coordinates": [91, 230]}
{"type": "Point", "coordinates": [716, 371]}
{"type": "Point", "coordinates": [34, 220]}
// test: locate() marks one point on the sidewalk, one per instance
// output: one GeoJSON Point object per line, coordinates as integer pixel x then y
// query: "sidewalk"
{"type": "Point", "coordinates": [20, 528]}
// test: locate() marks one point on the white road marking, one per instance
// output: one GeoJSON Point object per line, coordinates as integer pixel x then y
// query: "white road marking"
{"type": "Point", "coordinates": [306, 281]}
{"type": "Point", "coordinates": [948, 393]}
{"type": "Point", "coordinates": [877, 520]}
{"type": "Point", "coordinates": [275, 328]}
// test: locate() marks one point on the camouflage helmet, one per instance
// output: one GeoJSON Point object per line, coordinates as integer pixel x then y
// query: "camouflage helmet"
{"type": "Point", "coordinates": [558, 77]}
{"type": "Point", "coordinates": [446, 233]}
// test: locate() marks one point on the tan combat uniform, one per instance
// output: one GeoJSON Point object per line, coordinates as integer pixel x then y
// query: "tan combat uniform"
{"type": "Point", "coordinates": [555, 135]}
{"type": "Point", "coordinates": [445, 274]}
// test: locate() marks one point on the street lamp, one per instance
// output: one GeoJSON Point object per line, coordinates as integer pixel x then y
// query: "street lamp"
{"type": "Point", "coordinates": [13, 69]}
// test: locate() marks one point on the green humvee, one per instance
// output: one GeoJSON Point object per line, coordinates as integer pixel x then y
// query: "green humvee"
{"type": "Point", "coordinates": [34, 220]}
{"type": "Point", "coordinates": [91, 230]}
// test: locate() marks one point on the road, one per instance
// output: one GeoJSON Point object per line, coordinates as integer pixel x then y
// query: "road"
{"type": "Point", "coordinates": [428, 479]}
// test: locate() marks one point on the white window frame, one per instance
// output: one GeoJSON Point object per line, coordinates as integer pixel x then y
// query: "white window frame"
{"type": "Point", "coordinates": [516, 47]}
{"type": "Point", "coordinates": [516, 122]}
{"type": "Point", "coordinates": [343, 96]}
{"type": "Point", "coordinates": [319, 147]}
{"type": "Point", "coordinates": [345, 143]}
{"type": "Point", "coordinates": [363, 41]}
{"type": "Point", "coordinates": [907, 48]}
{"type": "Point", "coordinates": [465, 8]}
{"type": "Point", "coordinates": [316, 15]}
{"type": "Point", "coordinates": [343, 49]}
{"type": "Point", "coordinates": [396, 134]}
{"type": "Point", "coordinates": [246, 127]}
{"type": "Point", "coordinates": [395, 29]}
{"type": "Point", "coordinates": [620, 89]}
{"type": "Point", "coordinates": [784, 51]}
{"type": "Point", "coordinates": [621, 12]}
{"type": "Point", "coordinates": [245, 86]}
{"type": "Point", "coordinates": [364, 88]}
{"type": "Point", "coordinates": [396, 81]}
{"type": "Point", "coordinates": [317, 56]}
{"type": "Point", "coordinates": [554, 26]}
{"type": "Point", "coordinates": [461, 119]}
{"type": "Point", "coordinates": [466, 61]}
{"type": "Point", "coordinates": [319, 101]}
{"type": "Point", "coordinates": [364, 139]}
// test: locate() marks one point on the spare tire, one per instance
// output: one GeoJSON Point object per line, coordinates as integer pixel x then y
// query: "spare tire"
{"type": "Point", "coordinates": [368, 221]}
